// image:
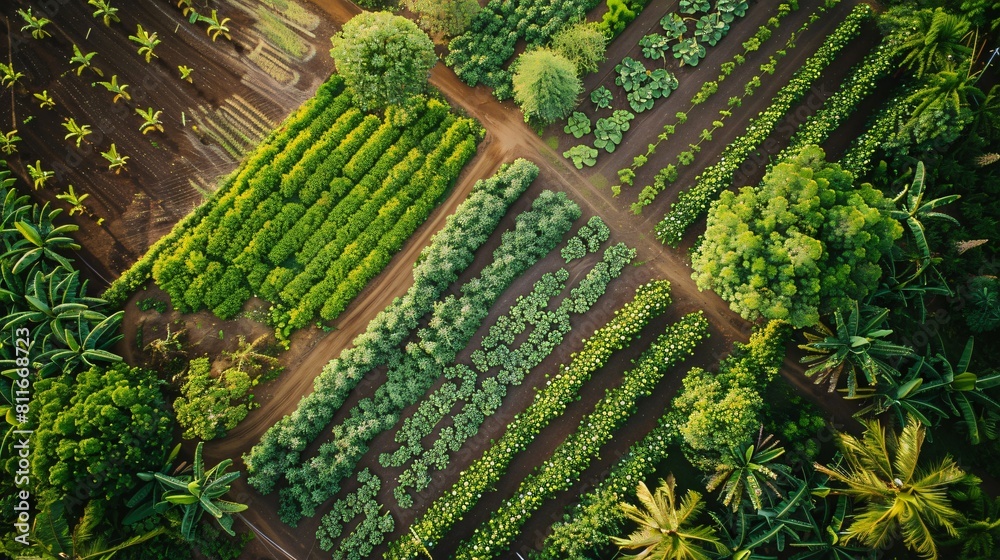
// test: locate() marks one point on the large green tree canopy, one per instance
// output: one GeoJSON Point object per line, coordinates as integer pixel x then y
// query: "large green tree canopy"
{"type": "Point", "coordinates": [545, 86]}
{"type": "Point", "coordinates": [802, 243]}
{"type": "Point", "coordinates": [384, 58]}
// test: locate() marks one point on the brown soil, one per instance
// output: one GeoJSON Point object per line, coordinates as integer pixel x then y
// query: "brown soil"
{"type": "Point", "coordinates": [507, 138]}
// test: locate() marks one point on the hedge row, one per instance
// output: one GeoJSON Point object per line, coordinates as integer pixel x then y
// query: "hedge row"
{"type": "Point", "coordinates": [376, 182]}
{"type": "Point", "coordinates": [587, 525]}
{"type": "Point", "coordinates": [693, 203]}
{"type": "Point", "coordinates": [141, 271]}
{"type": "Point", "coordinates": [548, 332]}
{"type": "Point", "coordinates": [451, 250]}
{"type": "Point", "coordinates": [453, 323]}
{"type": "Point", "coordinates": [651, 300]}
{"type": "Point", "coordinates": [573, 456]}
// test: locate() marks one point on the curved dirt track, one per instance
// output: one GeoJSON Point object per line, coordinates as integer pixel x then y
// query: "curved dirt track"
{"type": "Point", "coordinates": [507, 138]}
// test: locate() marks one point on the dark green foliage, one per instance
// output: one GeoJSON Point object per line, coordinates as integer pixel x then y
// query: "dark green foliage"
{"type": "Point", "coordinates": [982, 313]}
{"type": "Point", "coordinates": [98, 430]}
{"type": "Point", "coordinates": [152, 303]}
{"type": "Point", "coordinates": [211, 406]}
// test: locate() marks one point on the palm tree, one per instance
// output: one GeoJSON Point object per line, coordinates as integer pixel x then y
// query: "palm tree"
{"type": "Point", "coordinates": [932, 40]}
{"type": "Point", "coordinates": [76, 132]}
{"type": "Point", "coordinates": [74, 200]}
{"type": "Point", "coordinates": [200, 492]}
{"type": "Point", "coordinates": [745, 474]}
{"type": "Point", "coordinates": [913, 212]}
{"type": "Point", "coordinates": [120, 91]}
{"type": "Point", "coordinates": [946, 90]}
{"type": "Point", "coordinates": [8, 142]}
{"type": "Point", "coordinates": [216, 27]}
{"type": "Point", "coordinates": [186, 73]}
{"type": "Point", "coordinates": [9, 76]}
{"type": "Point", "coordinates": [857, 343]}
{"type": "Point", "coordinates": [105, 11]}
{"type": "Point", "coordinates": [116, 161]}
{"type": "Point", "coordinates": [45, 100]}
{"type": "Point", "coordinates": [83, 61]}
{"type": "Point", "coordinates": [897, 496]}
{"type": "Point", "coordinates": [664, 530]}
{"type": "Point", "coordinates": [147, 42]}
{"type": "Point", "coordinates": [51, 532]}
{"type": "Point", "coordinates": [35, 24]}
{"type": "Point", "coordinates": [38, 175]}
{"type": "Point", "coordinates": [151, 120]}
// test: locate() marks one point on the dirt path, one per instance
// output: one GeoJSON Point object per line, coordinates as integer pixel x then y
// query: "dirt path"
{"type": "Point", "coordinates": [507, 138]}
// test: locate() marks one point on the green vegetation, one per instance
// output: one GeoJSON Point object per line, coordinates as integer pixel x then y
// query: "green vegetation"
{"type": "Point", "coordinates": [545, 86]}
{"type": "Point", "coordinates": [384, 59]}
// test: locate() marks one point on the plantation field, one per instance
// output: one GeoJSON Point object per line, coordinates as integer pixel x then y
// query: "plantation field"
{"type": "Point", "coordinates": [479, 326]}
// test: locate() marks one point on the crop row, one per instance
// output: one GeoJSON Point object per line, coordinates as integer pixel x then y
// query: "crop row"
{"type": "Point", "coordinates": [451, 250]}
{"type": "Point", "coordinates": [858, 158]}
{"type": "Point", "coordinates": [274, 144]}
{"type": "Point", "coordinates": [574, 455]}
{"type": "Point", "coordinates": [651, 300]}
{"type": "Point", "coordinates": [345, 195]}
{"type": "Point", "coordinates": [858, 85]}
{"type": "Point", "coordinates": [597, 514]}
{"type": "Point", "coordinates": [668, 174]}
{"type": "Point", "coordinates": [453, 323]}
{"type": "Point", "coordinates": [693, 203]}
{"type": "Point", "coordinates": [588, 239]}
{"type": "Point", "coordinates": [549, 330]}
{"type": "Point", "coordinates": [373, 525]}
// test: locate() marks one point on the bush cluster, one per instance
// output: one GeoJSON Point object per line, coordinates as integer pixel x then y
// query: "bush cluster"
{"type": "Point", "coordinates": [369, 531]}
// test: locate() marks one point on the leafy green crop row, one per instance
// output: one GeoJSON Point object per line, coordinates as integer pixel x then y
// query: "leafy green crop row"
{"type": "Point", "coordinates": [693, 203]}
{"type": "Point", "coordinates": [374, 524]}
{"type": "Point", "coordinates": [574, 455]}
{"type": "Point", "coordinates": [450, 252]}
{"type": "Point", "coordinates": [550, 402]}
{"type": "Point", "coordinates": [453, 323]}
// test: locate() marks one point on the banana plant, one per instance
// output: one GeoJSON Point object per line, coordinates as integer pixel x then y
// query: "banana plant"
{"type": "Point", "coordinates": [120, 91]}
{"type": "Point", "coordinates": [200, 492]}
{"type": "Point", "coordinates": [105, 11]}
{"type": "Point", "coordinates": [147, 42]}
{"type": "Point", "coordinates": [74, 200]}
{"type": "Point", "coordinates": [38, 175]}
{"type": "Point", "coordinates": [151, 120]}
{"type": "Point", "coordinates": [34, 24]}
{"type": "Point", "coordinates": [9, 76]}
{"type": "Point", "coordinates": [8, 141]}
{"type": "Point", "coordinates": [116, 161]}
{"type": "Point", "coordinates": [216, 27]}
{"type": "Point", "coordinates": [45, 100]}
{"type": "Point", "coordinates": [52, 533]}
{"type": "Point", "coordinates": [78, 343]}
{"type": "Point", "coordinates": [76, 132]}
{"type": "Point", "coordinates": [83, 61]}
{"type": "Point", "coordinates": [913, 211]}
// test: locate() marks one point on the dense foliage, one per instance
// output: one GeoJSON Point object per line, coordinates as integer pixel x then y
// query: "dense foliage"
{"type": "Point", "coordinates": [211, 406]}
{"type": "Point", "coordinates": [801, 244]}
{"type": "Point", "coordinates": [545, 86]}
{"type": "Point", "coordinates": [450, 252]}
{"type": "Point", "coordinates": [319, 211]}
{"type": "Point", "coordinates": [94, 432]}
{"type": "Point", "coordinates": [384, 58]}
{"type": "Point", "coordinates": [444, 17]}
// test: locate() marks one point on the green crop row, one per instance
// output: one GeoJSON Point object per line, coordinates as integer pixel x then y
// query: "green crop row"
{"type": "Point", "coordinates": [587, 525]}
{"type": "Point", "coordinates": [453, 323]}
{"type": "Point", "coordinates": [693, 203]}
{"type": "Point", "coordinates": [574, 455]}
{"type": "Point", "coordinates": [651, 300]}
{"type": "Point", "coordinates": [374, 524]}
{"type": "Point", "coordinates": [451, 250]}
